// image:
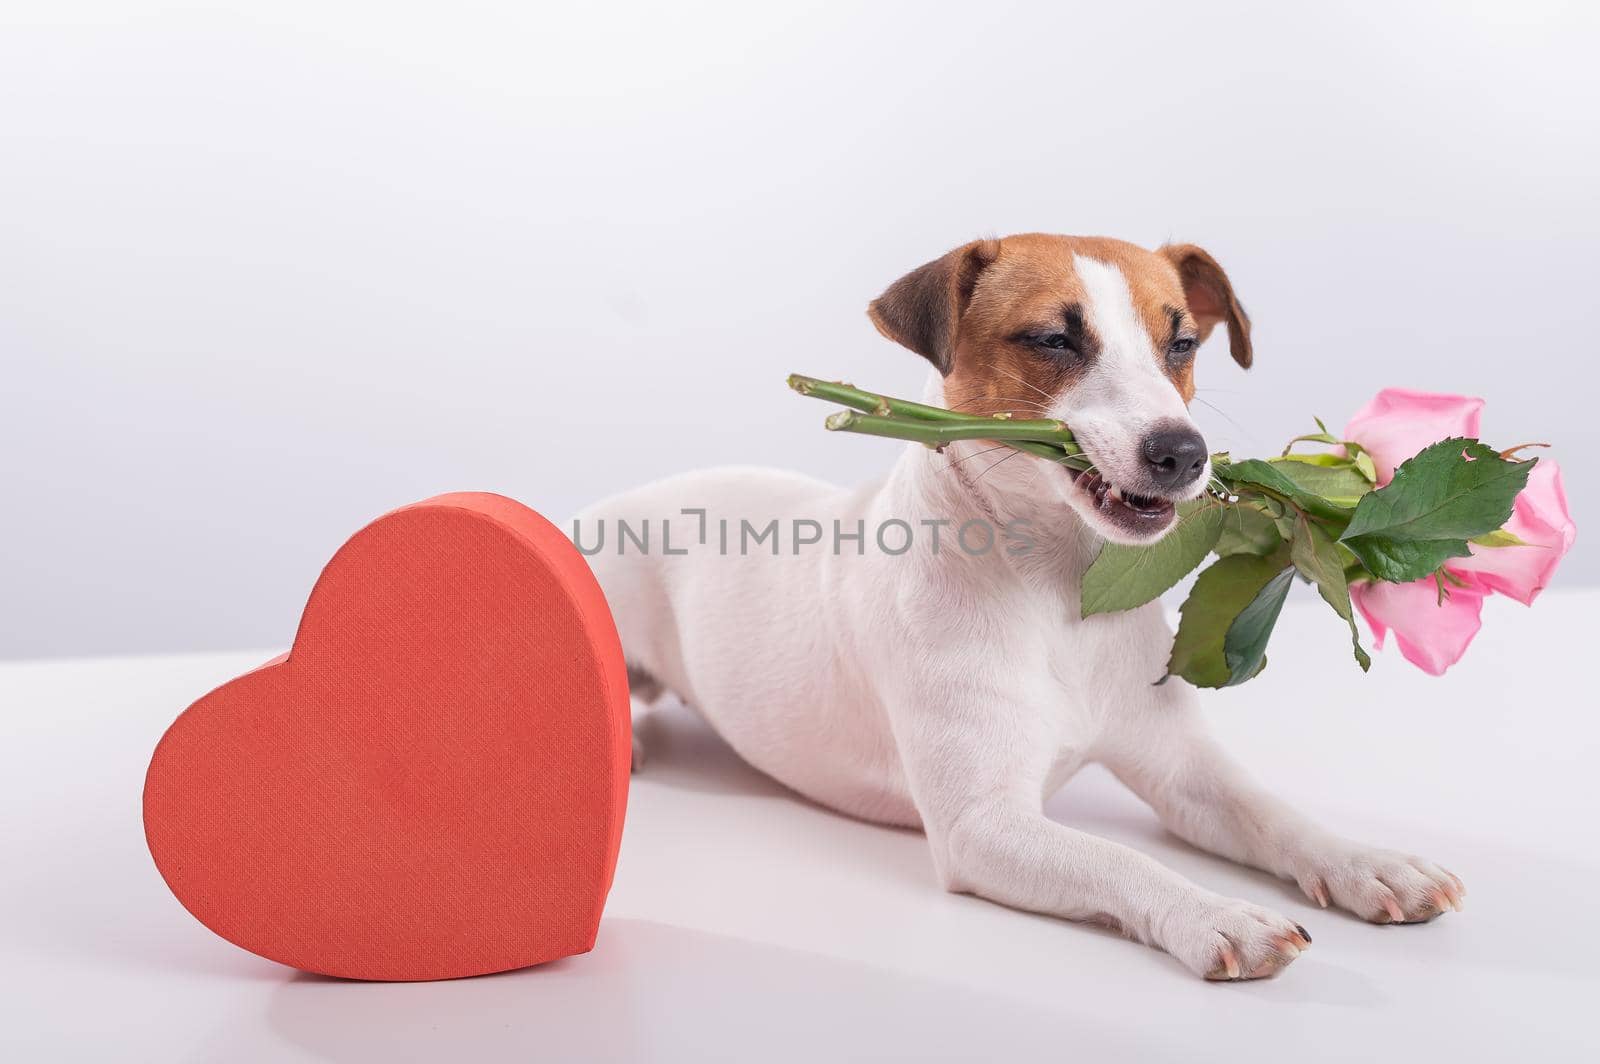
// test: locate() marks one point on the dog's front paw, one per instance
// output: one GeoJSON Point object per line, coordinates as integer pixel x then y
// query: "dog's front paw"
{"type": "Point", "coordinates": [1224, 938]}
{"type": "Point", "coordinates": [1382, 886]}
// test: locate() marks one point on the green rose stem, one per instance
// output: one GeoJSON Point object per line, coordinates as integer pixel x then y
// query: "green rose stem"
{"type": "Point", "coordinates": [1046, 434]}
{"type": "Point", "coordinates": [879, 415]}
{"type": "Point", "coordinates": [870, 402]}
{"type": "Point", "coordinates": [872, 414]}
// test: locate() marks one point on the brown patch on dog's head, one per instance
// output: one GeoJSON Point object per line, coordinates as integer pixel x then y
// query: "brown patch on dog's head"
{"type": "Point", "coordinates": [1004, 321]}
{"type": "Point", "coordinates": [1096, 332]}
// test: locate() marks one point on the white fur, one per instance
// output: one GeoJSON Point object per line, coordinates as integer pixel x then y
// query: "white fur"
{"type": "Point", "coordinates": [956, 692]}
{"type": "Point", "coordinates": [1124, 395]}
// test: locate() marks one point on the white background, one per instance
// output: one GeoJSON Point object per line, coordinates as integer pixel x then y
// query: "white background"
{"type": "Point", "coordinates": [270, 269]}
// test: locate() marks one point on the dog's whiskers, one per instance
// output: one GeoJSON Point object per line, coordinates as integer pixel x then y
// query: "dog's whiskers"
{"type": "Point", "coordinates": [995, 465]}
{"type": "Point", "coordinates": [968, 457]}
{"type": "Point", "coordinates": [1029, 405]}
{"type": "Point", "coordinates": [1026, 383]}
{"type": "Point", "coordinates": [1226, 416]}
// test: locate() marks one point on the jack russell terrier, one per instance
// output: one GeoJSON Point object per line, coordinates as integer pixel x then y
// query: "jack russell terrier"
{"type": "Point", "coordinates": [954, 689]}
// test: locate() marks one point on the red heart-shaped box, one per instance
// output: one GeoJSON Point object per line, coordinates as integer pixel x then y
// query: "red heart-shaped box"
{"type": "Point", "coordinates": [431, 783]}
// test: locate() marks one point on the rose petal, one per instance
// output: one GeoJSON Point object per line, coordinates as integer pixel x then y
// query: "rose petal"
{"type": "Point", "coordinates": [1540, 518]}
{"type": "Point", "coordinates": [1431, 635]}
{"type": "Point", "coordinates": [1399, 422]}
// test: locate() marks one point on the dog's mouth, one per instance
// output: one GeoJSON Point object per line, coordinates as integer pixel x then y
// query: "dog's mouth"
{"type": "Point", "coordinates": [1140, 516]}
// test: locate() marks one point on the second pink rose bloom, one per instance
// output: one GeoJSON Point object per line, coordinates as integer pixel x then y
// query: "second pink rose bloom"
{"type": "Point", "coordinates": [1431, 634]}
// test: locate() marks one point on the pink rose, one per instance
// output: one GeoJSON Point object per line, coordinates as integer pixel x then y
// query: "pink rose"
{"type": "Point", "coordinates": [1399, 422]}
{"type": "Point", "coordinates": [1540, 519]}
{"type": "Point", "coordinates": [1433, 635]}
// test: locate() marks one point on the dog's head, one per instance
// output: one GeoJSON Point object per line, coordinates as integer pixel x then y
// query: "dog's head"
{"type": "Point", "coordinates": [1098, 333]}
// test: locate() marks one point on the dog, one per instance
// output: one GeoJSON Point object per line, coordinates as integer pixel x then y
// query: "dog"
{"type": "Point", "coordinates": [954, 690]}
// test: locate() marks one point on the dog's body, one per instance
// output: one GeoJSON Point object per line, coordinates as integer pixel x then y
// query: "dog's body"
{"type": "Point", "coordinates": [954, 689]}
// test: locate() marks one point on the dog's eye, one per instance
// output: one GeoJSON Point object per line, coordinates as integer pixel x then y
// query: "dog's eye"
{"type": "Point", "coordinates": [1056, 346]}
{"type": "Point", "coordinates": [1182, 348]}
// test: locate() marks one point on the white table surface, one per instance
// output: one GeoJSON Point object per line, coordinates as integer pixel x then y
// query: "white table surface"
{"type": "Point", "coordinates": [748, 925]}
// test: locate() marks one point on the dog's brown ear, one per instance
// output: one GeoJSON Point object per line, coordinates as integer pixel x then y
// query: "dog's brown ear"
{"type": "Point", "coordinates": [1210, 297]}
{"type": "Point", "coordinates": [922, 309]}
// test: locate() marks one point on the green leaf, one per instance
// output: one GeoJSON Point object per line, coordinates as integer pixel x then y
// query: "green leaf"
{"type": "Point", "coordinates": [1499, 538]}
{"type": "Point", "coordinates": [1317, 557]}
{"type": "Point", "coordinates": [1245, 646]}
{"type": "Point", "coordinates": [1320, 436]}
{"type": "Point", "coordinates": [1246, 530]}
{"type": "Point", "coordinates": [1225, 589]}
{"type": "Point", "coordinates": [1316, 458]}
{"type": "Point", "coordinates": [1364, 465]}
{"type": "Point", "coordinates": [1121, 578]}
{"type": "Point", "coordinates": [1339, 481]}
{"type": "Point", "coordinates": [1275, 477]}
{"type": "Point", "coordinates": [1439, 499]}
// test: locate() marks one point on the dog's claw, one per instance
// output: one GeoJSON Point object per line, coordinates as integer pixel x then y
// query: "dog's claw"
{"type": "Point", "coordinates": [1380, 886]}
{"type": "Point", "coordinates": [1228, 939]}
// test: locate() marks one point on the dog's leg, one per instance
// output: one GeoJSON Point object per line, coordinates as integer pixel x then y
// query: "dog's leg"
{"type": "Point", "coordinates": [976, 769]}
{"type": "Point", "coordinates": [644, 690]}
{"type": "Point", "coordinates": [1012, 853]}
{"type": "Point", "coordinates": [1205, 798]}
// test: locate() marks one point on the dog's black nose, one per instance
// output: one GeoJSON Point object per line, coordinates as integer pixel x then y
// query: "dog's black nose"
{"type": "Point", "coordinates": [1174, 457]}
